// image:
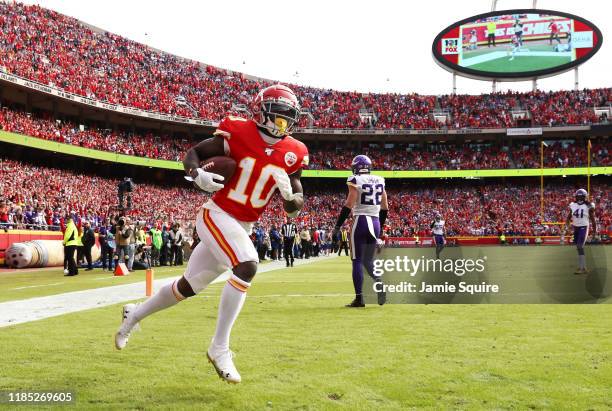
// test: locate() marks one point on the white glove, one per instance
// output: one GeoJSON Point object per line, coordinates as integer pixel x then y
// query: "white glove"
{"type": "Point", "coordinates": [284, 186]}
{"type": "Point", "coordinates": [204, 180]}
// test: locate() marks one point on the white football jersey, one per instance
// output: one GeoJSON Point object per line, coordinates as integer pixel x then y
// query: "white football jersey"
{"type": "Point", "coordinates": [370, 189]}
{"type": "Point", "coordinates": [438, 227]}
{"type": "Point", "coordinates": [580, 213]}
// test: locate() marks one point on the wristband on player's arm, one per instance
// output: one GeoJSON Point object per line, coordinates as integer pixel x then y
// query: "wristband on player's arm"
{"type": "Point", "coordinates": [382, 217]}
{"type": "Point", "coordinates": [344, 213]}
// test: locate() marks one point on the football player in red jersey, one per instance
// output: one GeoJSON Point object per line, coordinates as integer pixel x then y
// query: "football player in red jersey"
{"type": "Point", "coordinates": [267, 158]}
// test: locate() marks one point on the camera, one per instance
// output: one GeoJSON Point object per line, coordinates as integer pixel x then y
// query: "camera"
{"type": "Point", "coordinates": [123, 188]}
{"type": "Point", "coordinates": [126, 186]}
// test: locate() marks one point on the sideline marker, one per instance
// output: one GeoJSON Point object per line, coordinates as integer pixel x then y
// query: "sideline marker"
{"type": "Point", "coordinates": [121, 269]}
{"type": "Point", "coordinates": [149, 282]}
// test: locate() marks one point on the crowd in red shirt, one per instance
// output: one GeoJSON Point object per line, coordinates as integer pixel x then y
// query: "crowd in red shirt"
{"type": "Point", "coordinates": [44, 196]}
{"type": "Point", "coordinates": [558, 154]}
{"type": "Point", "coordinates": [332, 156]}
{"type": "Point", "coordinates": [57, 50]}
{"type": "Point", "coordinates": [163, 147]}
{"type": "Point", "coordinates": [55, 193]}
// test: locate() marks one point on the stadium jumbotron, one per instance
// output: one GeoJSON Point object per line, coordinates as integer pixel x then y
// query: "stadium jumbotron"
{"type": "Point", "coordinates": [365, 202]}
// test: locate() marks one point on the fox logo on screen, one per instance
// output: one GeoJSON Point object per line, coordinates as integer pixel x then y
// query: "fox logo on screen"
{"type": "Point", "coordinates": [450, 46]}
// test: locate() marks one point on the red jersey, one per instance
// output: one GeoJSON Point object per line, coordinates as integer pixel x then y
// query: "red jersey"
{"type": "Point", "coordinates": [553, 28]}
{"type": "Point", "coordinates": [246, 195]}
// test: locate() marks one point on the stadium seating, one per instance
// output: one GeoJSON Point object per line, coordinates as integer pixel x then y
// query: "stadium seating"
{"type": "Point", "coordinates": [40, 197]}
{"type": "Point", "coordinates": [57, 50]}
{"type": "Point", "coordinates": [336, 156]}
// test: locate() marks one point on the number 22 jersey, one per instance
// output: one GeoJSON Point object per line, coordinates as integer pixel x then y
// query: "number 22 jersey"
{"type": "Point", "coordinates": [247, 193]}
{"type": "Point", "coordinates": [370, 189]}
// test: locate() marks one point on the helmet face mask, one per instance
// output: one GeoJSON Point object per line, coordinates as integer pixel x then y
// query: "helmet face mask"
{"type": "Point", "coordinates": [276, 110]}
{"type": "Point", "coordinates": [581, 196]}
{"type": "Point", "coordinates": [361, 164]}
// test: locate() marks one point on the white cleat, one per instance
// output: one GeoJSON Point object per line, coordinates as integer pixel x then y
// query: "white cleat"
{"type": "Point", "coordinates": [224, 365]}
{"type": "Point", "coordinates": [65, 271]}
{"type": "Point", "coordinates": [122, 336]}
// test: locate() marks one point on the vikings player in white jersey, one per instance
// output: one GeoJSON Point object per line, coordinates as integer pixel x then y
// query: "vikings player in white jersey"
{"type": "Point", "coordinates": [367, 199]}
{"type": "Point", "coordinates": [581, 213]}
{"type": "Point", "coordinates": [437, 229]}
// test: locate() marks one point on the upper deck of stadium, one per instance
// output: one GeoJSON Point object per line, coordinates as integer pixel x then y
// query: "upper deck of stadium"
{"type": "Point", "coordinates": [66, 60]}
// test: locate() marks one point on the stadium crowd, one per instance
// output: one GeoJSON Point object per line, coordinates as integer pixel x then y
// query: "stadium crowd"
{"type": "Point", "coordinates": [41, 125]}
{"type": "Point", "coordinates": [558, 154]}
{"type": "Point", "coordinates": [42, 197]}
{"type": "Point", "coordinates": [333, 156]}
{"type": "Point", "coordinates": [57, 50]}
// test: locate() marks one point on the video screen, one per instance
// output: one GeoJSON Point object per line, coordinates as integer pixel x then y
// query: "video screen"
{"type": "Point", "coordinates": [520, 42]}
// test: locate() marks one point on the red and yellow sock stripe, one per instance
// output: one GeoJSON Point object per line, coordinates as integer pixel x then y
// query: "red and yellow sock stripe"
{"type": "Point", "coordinates": [176, 292]}
{"type": "Point", "coordinates": [216, 233]}
{"type": "Point", "coordinates": [238, 286]}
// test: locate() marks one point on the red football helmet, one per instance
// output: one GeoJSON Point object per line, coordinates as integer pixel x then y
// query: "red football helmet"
{"type": "Point", "coordinates": [276, 110]}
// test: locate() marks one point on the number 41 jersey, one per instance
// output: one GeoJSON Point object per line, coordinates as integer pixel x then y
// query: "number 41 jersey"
{"type": "Point", "coordinates": [370, 189]}
{"type": "Point", "coordinates": [247, 193]}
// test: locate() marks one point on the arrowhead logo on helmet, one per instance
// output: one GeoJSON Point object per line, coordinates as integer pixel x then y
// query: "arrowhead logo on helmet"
{"type": "Point", "coordinates": [276, 110]}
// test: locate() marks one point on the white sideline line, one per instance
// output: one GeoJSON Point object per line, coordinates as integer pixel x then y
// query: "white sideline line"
{"type": "Point", "coordinates": [35, 286]}
{"type": "Point", "coordinates": [33, 309]}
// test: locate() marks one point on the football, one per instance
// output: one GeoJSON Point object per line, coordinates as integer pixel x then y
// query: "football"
{"type": "Point", "coordinates": [224, 166]}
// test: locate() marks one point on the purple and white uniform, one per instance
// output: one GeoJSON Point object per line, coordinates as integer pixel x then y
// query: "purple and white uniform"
{"type": "Point", "coordinates": [366, 226]}
{"type": "Point", "coordinates": [437, 229]}
{"type": "Point", "coordinates": [580, 220]}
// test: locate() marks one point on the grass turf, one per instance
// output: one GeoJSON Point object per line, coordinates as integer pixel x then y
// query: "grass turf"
{"type": "Point", "coordinates": [297, 348]}
{"type": "Point", "coordinates": [20, 285]}
{"type": "Point", "coordinates": [28, 284]}
{"type": "Point", "coordinates": [520, 63]}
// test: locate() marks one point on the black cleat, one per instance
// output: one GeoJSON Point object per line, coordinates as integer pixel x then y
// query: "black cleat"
{"type": "Point", "coordinates": [356, 303]}
{"type": "Point", "coordinates": [382, 298]}
{"type": "Point", "coordinates": [382, 295]}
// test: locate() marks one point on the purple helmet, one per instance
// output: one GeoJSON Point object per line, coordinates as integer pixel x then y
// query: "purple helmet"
{"type": "Point", "coordinates": [361, 164]}
{"type": "Point", "coordinates": [581, 196]}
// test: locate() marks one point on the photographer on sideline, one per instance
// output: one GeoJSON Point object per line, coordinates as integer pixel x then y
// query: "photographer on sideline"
{"type": "Point", "coordinates": [176, 245]}
{"type": "Point", "coordinates": [165, 247]}
{"type": "Point", "coordinates": [122, 239]}
{"type": "Point", "coordinates": [89, 239]}
{"type": "Point", "coordinates": [131, 245]}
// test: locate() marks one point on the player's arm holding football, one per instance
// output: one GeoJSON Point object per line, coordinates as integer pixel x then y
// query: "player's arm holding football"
{"type": "Point", "coordinates": [202, 151]}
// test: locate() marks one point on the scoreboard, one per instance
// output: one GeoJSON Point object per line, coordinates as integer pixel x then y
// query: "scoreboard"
{"type": "Point", "coordinates": [516, 44]}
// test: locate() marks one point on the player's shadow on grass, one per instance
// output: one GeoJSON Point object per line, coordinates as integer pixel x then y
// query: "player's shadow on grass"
{"type": "Point", "coordinates": [558, 282]}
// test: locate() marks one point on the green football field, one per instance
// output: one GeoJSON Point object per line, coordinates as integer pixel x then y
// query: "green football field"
{"type": "Point", "coordinates": [297, 347]}
{"type": "Point", "coordinates": [520, 63]}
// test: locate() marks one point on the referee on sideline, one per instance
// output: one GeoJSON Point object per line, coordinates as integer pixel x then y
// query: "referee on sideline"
{"type": "Point", "coordinates": [288, 231]}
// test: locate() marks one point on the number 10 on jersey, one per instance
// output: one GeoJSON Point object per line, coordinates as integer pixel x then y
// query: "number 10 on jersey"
{"type": "Point", "coordinates": [256, 197]}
